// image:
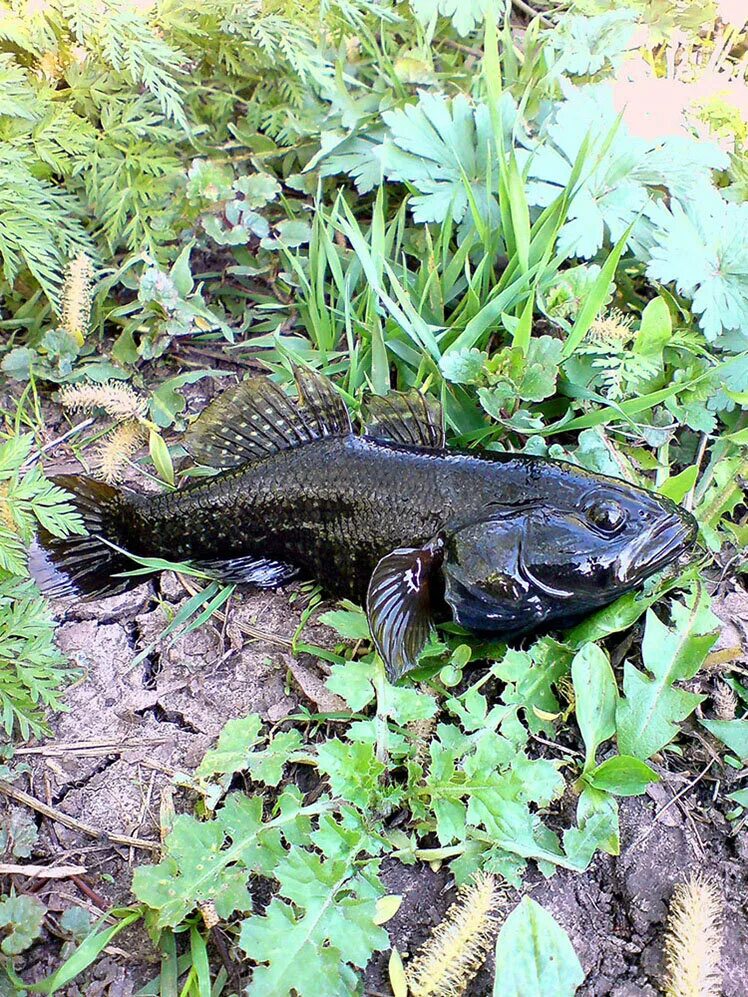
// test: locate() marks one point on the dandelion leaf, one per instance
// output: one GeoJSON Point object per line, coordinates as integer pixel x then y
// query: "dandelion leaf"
{"type": "Point", "coordinates": [648, 715]}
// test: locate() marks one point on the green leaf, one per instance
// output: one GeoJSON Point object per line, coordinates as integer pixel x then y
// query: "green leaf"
{"type": "Point", "coordinates": [306, 947]}
{"type": "Point", "coordinates": [595, 696]}
{"type": "Point", "coordinates": [733, 733]}
{"type": "Point", "coordinates": [597, 827]}
{"type": "Point", "coordinates": [161, 457]}
{"type": "Point", "coordinates": [349, 623]}
{"type": "Point", "coordinates": [622, 775]}
{"type": "Point", "coordinates": [212, 860]}
{"type": "Point", "coordinates": [180, 272]}
{"type": "Point", "coordinates": [679, 485]}
{"type": "Point", "coordinates": [353, 681]}
{"type": "Point", "coordinates": [596, 298]}
{"type": "Point", "coordinates": [166, 401]}
{"type": "Point", "coordinates": [235, 741]}
{"type": "Point", "coordinates": [353, 770]}
{"type": "Point", "coordinates": [463, 366]}
{"type": "Point", "coordinates": [655, 330]}
{"type": "Point", "coordinates": [21, 920]}
{"type": "Point", "coordinates": [534, 957]}
{"type": "Point", "coordinates": [652, 705]}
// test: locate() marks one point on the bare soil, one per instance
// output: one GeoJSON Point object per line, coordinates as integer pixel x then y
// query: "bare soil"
{"type": "Point", "coordinates": [140, 726]}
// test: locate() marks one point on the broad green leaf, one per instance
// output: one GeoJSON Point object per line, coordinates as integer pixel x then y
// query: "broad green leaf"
{"type": "Point", "coordinates": [595, 697]}
{"type": "Point", "coordinates": [213, 860]}
{"type": "Point", "coordinates": [350, 623]}
{"type": "Point", "coordinates": [534, 957]}
{"type": "Point", "coordinates": [353, 681]}
{"type": "Point", "coordinates": [733, 733]}
{"type": "Point", "coordinates": [655, 330]}
{"type": "Point", "coordinates": [622, 775]}
{"type": "Point", "coordinates": [653, 705]}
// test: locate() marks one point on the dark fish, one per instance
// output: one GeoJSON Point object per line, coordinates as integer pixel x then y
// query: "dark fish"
{"type": "Point", "coordinates": [509, 542]}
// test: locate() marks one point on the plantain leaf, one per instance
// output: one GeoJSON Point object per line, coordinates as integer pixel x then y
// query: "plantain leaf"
{"type": "Point", "coordinates": [534, 957]}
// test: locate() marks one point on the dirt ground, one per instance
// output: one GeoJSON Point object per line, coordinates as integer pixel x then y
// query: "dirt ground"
{"type": "Point", "coordinates": [130, 730]}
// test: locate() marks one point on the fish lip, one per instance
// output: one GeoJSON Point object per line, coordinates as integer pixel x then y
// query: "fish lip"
{"type": "Point", "coordinates": [665, 540]}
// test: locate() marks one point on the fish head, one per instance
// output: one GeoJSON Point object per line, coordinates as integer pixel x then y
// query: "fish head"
{"type": "Point", "coordinates": [572, 552]}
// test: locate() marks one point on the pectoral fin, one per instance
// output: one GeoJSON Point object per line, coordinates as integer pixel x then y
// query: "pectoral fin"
{"type": "Point", "coordinates": [398, 605]}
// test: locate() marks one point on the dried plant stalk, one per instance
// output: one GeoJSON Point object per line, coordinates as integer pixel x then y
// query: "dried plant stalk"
{"type": "Point", "coordinates": [458, 946]}
{"type": "Point", "coordinates": [693, 939]}
{"type": "Point", "coordinates": [119, 401]}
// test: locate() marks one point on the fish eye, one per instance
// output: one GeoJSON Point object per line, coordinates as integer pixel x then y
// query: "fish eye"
{"type": "Point", "coordinates": [606, 515]}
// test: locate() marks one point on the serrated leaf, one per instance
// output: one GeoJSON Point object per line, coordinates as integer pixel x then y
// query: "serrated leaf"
{"type": "Point", "coordinates": [700, 246]}
{"type": "Point", "coordinates": [652, 706]}
{"type": "Point", "coordinates": [534, 957]}
{"type": "Point", "coordinates": [463, 366]}
{"type": "Point", "coordinates": [352, 768]}
{"type": "Point", "coordinates": [212, 860]}
{"type": "Point", "coordinates": [307, 949]}
{"type": "Point", "coordinates": [466, 15]}
{"type": "Point", "coordinates": [353, 681]}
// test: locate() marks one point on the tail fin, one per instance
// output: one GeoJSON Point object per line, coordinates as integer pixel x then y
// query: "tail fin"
{"type": "Point", "coordinates": [85, 565]}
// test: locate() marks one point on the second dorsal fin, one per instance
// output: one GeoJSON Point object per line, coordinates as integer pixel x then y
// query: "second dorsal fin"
{"type": "Point", "coordinates": [257, 418]}
{"type": "Point", "coordinates": [406, 417]}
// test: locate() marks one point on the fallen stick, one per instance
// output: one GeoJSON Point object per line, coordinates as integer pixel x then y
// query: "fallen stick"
{"type": "Point", "coordinates": [76, 825]}
{"type": "Point", "coordinates": [42, 871]}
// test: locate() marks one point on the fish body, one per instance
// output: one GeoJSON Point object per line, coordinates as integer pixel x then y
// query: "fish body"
{"type": "Point", "coordinates": [506, 542]}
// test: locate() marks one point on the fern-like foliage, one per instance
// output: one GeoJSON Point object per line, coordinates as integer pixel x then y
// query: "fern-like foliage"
{"type": "Point", "coordinates": [32, 670]}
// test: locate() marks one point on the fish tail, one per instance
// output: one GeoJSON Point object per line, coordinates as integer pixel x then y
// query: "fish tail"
{"type": "Point", "coordinates": [86, 566]}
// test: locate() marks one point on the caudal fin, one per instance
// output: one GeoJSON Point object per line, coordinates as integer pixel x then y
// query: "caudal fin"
{"type": "Point", "coordinates": [85, 566]}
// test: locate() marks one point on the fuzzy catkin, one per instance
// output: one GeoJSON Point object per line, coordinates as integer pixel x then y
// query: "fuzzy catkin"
{"type": "Point", "coordinates": [457, 947]}
{"type": "Point", "coordinates": [693, 939]}
{"type": "Point", "coordinates": [117, 449]}
{"type": "Point", "coordinates": [119, 401]}
{"type": "Point", "coordinates": [76, 297]}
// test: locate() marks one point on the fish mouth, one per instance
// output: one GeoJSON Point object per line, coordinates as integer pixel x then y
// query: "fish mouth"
{"type": "Point", "coordinates": [666, 540]}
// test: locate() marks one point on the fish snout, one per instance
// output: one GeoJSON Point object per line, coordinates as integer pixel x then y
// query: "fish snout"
{"type": "Point", "coordinates": [669, 538]}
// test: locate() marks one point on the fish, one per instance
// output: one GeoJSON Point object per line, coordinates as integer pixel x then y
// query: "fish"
{"type": "Point", "coordinates": [505, 543]}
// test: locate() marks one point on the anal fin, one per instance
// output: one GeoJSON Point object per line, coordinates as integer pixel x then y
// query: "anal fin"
{"type": "Point", "coordinates": [260, 572]}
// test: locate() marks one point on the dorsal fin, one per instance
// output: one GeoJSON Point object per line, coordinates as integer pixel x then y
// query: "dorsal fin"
{"type": "Point", "coordinates": [257, 418]}
{"type": "Point", "coordinates": [405, 417]}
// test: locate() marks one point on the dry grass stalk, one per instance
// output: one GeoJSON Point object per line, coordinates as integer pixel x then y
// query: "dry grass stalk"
{"type": "Point", "coordinates": [693, 939]}
{"type": "Point", "coordinates": [458, 946]}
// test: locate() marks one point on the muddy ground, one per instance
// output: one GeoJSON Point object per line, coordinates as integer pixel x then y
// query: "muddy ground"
{"type": "Point", "coordinates": [130, 730]}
